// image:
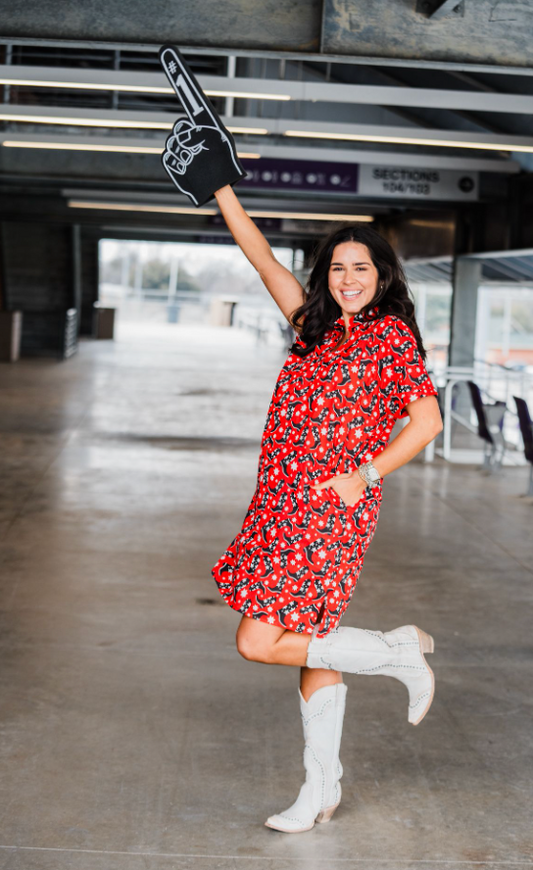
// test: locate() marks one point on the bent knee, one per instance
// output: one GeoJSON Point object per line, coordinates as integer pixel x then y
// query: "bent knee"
{"type": "Point", "coordinates": [251, 649]}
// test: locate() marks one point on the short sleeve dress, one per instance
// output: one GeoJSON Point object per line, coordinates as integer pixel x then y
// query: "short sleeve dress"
{"type": "Point", "coordinates": [297, 558]}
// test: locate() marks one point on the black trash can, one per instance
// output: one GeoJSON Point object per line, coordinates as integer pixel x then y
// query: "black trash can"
{"type": "Point", "coordinates": [104, 321]}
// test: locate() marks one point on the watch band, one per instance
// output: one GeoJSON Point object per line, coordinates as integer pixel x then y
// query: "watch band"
{"type": "Point", "coordinates": [369, 473]}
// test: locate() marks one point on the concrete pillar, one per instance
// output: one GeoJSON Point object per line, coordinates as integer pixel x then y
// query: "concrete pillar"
{"type": "Point", "coordinates": [466, 280]}
{"type": "Point", "coordinates": [89, 278]}
{"type": "Point", "coordinates": [38, 280]}
{"type": "Point", "coordinates": [76, 273]}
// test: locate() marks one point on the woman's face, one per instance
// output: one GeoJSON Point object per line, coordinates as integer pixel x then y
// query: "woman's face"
{"type": "Point", "coordinates": [352, 277]}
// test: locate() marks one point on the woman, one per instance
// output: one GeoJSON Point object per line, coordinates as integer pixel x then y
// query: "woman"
{"type": "Point", "coordinates": [355, 367]}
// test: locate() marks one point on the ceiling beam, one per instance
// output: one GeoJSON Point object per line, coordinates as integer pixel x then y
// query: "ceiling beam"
{"type": "Point", "coordinates": [154, 145]}
{"type": "Point", "coordinates": [62, 117]}
{"type": "Point", "coordinates": [329, 92]}
{"type": "Point", "coordinates": [115, 118]}
{"type": "Point", "coordinates": [269, 54]}
{"type": "Point", "coordinates": [414, 117]}
{"type": "Point", "coordinates": [489, 29]}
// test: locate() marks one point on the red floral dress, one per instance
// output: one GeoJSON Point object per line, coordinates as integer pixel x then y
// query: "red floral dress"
{"type": "Point", "coordinates": [296, 560]}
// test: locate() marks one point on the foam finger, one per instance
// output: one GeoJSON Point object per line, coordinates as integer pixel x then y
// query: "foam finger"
{"type": "Point", "coordinates": [173, 164]}
{"type": "Point", "coordinates": [191, 96]}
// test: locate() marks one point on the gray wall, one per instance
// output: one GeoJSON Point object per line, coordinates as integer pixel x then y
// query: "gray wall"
{"type": "Point", "coordinates": [38, 278]}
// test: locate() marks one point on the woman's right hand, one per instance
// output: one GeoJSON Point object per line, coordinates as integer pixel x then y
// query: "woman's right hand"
{"type": "Point", "coordinates": [348, 485]}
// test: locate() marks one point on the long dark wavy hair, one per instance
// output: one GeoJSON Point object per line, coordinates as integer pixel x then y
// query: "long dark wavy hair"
{"type": "Point", "coordinates": [320, 310]}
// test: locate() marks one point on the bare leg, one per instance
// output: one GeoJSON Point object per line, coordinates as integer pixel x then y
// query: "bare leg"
{"type": "Point", "coordinates": [269, 644]}
{"type": "Point", "coordinates": [312, 679]}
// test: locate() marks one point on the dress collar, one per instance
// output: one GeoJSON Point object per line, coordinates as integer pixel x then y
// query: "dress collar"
{"type": "Point", "coordinates": [355, 319]}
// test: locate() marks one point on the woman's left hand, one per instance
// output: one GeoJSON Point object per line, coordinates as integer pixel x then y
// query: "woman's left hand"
{"type": "Point", "coordinates": [349, 486]}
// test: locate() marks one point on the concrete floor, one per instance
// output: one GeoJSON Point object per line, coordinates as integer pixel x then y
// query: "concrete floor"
{"type": "Point", "coordinates": [134, 737]}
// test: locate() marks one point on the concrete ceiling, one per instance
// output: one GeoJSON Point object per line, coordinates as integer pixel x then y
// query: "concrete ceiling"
{"type": "Point", "coordinates": [408, 83]}
{"type": "Point", "coordinates": [493, 32]}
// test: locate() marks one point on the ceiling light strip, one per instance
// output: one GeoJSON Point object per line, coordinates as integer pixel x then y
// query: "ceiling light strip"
{"type": "Point", "coordinates": [344, 156]}
{"type": "Point", "coordinates": [85, 86]}
{"type": "Point", "coordinates": [131, 123]}
{"type": "Point", "coordinates": [309, 216]}
{"type": "Point", "coordinates": [73, 121]}
{"type": "Point", "coordinates": [272, 89]}
{"type": "Point", "coordinates": [333, 131]}
{"type": "Point", "coordinates": [247, 95]}
{"type": "Point", "coordinates": [87, 146]}
{"type": "Point", "coordinates": [132, 89]}
{"type": "Point", "coordinates": [177, 209]}
{"type": "Point", "coordinates": [78, 146]}
{"type": "Point", "coordinates": [409, 140]}
{"type": "Point", "coordinates": [127, 206]}
{"type": "Point", "coordinates": [355, 137]}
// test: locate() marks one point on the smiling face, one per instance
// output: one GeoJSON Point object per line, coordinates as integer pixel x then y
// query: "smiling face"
{"type": "Point", "coordinates": [352, 277]}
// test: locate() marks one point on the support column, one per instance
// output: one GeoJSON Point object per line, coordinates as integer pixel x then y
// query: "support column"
{"type": "Point", "coordinates": [466, 280]}
{"type": "Point", "coordinates": [38, 280]}
{"type": "Point", "coordinates": [89, 278]}
{"type": "Point", "coordinates": [76, 272]}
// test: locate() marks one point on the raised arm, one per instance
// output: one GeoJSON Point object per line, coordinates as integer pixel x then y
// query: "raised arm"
{"type": "Point", "coordinates": [286, 291]}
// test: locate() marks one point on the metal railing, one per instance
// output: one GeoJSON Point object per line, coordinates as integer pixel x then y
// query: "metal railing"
{"type": "Point", "coordinates": [497, 383]}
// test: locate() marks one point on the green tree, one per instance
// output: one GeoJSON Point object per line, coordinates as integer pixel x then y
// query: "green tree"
{"type": "Point", "coordinates": [156, 275]}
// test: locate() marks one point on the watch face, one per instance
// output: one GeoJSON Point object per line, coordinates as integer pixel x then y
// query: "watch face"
{"type": "Point", "coordinates": [373, 474]}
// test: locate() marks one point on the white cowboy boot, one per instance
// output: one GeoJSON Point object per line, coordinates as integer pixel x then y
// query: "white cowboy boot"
{"type": "Point", "coordinates": [320, 795]}
{"type": "Point", "coordinates": [398, 653]}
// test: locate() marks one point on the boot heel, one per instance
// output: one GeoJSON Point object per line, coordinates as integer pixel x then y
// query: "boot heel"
{"type": "Point", "coordinates": [326, 814]}
{"type": "Point", "coordinates": [427, 644]}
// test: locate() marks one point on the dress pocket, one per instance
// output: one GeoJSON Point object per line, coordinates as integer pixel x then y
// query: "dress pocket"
{"type": "Point", "coordinates": [333, 496]}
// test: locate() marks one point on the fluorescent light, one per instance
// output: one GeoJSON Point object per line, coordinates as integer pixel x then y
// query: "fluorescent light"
{"type": "Point", "coordinates": [88, 146]}
{"type": "Point", "coordinates": [75, 146]}
{"type": "Point", "coordinates": [309, 216]}
{"type": "Point", "coordinates": [111, 122]}
{"type": "Point", "coordinates": [426, 222]}
{"type": "Point", "coordinates": [247, 95]}
{"type": "Point", "coordinates": [127, 206]}
{"type": "Point", "coordinates": [174, 209]}
{"type": "Point", "coordinates": [410, 140]}
{"type": "Point", "coordinates": [258, 131]}
{"type": "Point", "coordinates": [84, 122]}
{"type": "Point", "coordinates": [135, 89]}
{"type": "Point", "coordinates": [86, 86]}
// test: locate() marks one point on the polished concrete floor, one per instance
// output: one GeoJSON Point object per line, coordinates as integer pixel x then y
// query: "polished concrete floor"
{"type": "Point", "coordinates": [133, 735]}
